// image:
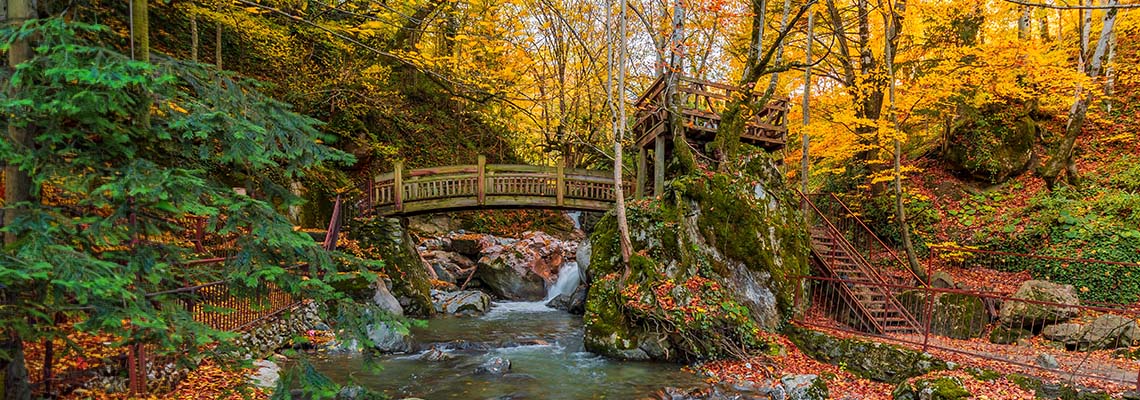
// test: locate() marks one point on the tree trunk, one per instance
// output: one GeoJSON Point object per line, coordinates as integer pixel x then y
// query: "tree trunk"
{"type": "Point", "coordinates": [900, 211]}
{"type": "Point", "coordinates": [779, 50]}
{"type": "Point", "coordinates": [17, 190]}
{"type": "Point", "coordinates": [193, 38]}
{"type": "Point", "coordinates": [617, 112]}
{"type": "Point", "coordinates": [1109, 75]}
{"type": "Point", "coordinates": [1061, 159]}
{"type": "Point", "coordinates": [218, 45]}
{"type": "Point", "coordinates": [805, 160]}
{"type": "Point", "coordinates": [1023, 23]}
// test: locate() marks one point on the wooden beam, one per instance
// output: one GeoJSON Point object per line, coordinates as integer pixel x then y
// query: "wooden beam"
{"type": "Point", "coordinates": [481, 187]}
{"type": "Point", "coordinates": [658, 165]}
{"type": "Point", "coordinates": [642, 165]}
{"type": "Point", "coordinates": [560, 183]}
{"type": "Point", "coordinates": [398, 181]}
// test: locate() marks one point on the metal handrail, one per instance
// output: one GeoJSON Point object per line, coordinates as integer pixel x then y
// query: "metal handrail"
{"type": "Point", "coordinates": [837, 235]}
{"type": "Point", "coordinates": [877, 239]}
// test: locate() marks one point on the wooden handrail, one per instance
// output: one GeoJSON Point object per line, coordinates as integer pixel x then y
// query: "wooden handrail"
{"type": "Point", "coordinates": [501, 185]}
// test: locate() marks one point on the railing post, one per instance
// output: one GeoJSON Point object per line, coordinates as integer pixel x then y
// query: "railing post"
{"type": "Point", "coordinates": [928, 315]}
{"type": "Point", "coordinates": [398, 184]}
{"type": "Point", "coordinates": [481, 183]}
{"type": "Point", "coordinates": [658, 165]}
{"type": "Point", "coordinates": [560, 182]}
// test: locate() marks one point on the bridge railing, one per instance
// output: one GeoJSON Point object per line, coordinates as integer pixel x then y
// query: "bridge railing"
{"type": "Point", "coordinates": [482, 184]}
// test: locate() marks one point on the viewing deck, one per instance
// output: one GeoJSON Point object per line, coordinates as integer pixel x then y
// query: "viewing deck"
{"type": "Point", "coordinates": [702, 103]}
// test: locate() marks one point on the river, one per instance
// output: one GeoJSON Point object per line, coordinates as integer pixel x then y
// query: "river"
{"type": "Point", "coordinates": [545, 349]}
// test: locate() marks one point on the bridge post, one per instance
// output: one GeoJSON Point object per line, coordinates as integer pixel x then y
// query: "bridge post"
{"type": "Point", "coordinates": [642, 165]}
{"type": "Point", "coordinates": [481, 183]}
{"type": "Point", "coordinates": [398, 184]}
{"type": "Point", "coordinates": [560, 183]}
{"type": "Point", "coordinates": [658, 165]}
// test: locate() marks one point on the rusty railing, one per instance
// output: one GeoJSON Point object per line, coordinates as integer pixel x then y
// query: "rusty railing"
{"type": "Point", "coordinates": [1074, 342]}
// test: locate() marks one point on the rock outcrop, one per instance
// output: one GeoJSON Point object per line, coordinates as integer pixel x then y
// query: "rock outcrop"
{"type": "Point", "coordinates": [387, 239]}
{"type": "Point", "coordinates": [716, 248]}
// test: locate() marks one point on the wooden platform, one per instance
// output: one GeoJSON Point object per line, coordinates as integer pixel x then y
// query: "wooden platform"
{"type": "Point", "coordinates": [702, 103]}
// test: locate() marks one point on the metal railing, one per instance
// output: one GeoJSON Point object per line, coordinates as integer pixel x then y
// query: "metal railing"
{"type": "Point", "coordinates": [868, 245]}
{"type": "Point", "coordinates": [970, 325]}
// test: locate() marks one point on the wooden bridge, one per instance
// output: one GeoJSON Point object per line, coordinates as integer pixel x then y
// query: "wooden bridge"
{"type": "Point", "coordinates": [487, 186]}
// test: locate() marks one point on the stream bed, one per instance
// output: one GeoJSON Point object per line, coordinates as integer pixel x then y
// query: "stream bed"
{"type": "Point", "coordinates": [543, 345]}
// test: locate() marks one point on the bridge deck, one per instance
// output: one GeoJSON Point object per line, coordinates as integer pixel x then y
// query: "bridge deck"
{"type": "Point", "coordinates": [464, 187]}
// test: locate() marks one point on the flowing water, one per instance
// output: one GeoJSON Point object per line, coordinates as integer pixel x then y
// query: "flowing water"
{"type": "Point", "coordinates": [544, 347]}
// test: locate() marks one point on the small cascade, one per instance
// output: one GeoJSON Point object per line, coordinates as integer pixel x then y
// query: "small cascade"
{"type": "Point", "coordinates": [576, 216]}
{"type": "Point", "coordinates": [568, 279]}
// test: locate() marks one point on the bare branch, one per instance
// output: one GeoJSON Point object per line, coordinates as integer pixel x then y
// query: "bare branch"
{"type": "Point", "coordinates": [1072, 7]}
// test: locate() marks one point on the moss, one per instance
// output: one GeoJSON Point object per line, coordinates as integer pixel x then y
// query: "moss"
{"type": "Point", "coordinates": [386, 239]}
{"type": "Point", "coordinates": [983, 375]}
{"type": "Point", "coordinates": [870, 360]}
{"type": "Point", "coordinates": [706, 227]}
{"type": "Point", "coordinates": [1004, 335]}
{"type": "Point", "coordinates": [1025, 382]}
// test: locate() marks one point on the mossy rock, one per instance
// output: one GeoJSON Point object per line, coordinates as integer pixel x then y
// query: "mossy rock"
{"type": "Point", "coordinates": [955, 315]}
{"type": "Point", "coordinates": [870, 360]}
{"type": "Point", "coordinates": [745, 236]}
{"type": "Point", "coordinates": [1005, 335]}
{"type": "Point", "coordinates": [959, 316]}
{"type": "Point", "coordinates": [386, 239]}
{"type": "Point", "coordinates": [942, 388]}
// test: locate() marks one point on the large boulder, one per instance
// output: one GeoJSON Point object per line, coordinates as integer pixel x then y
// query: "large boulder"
{"type": "Point", "coordinates": [504, 272]}
{"type": "Point", "coordinates": [954, 315]}
{"type": "Point", "coordinates": [718, 248]}
{"type": "Point", "coordinates": [386, 239]}
{"type": "Point", "coordinates": [389, 337]}
{"type": "Point", "coordinates": [449, 266]}
{"type": "Point", "coordinates": [467, 302]}
{"type": "Point", "coordinates": [1046, 303]}
{"type": "Point", "coordinates": [573, 302]}
{"type": "Point", "coordinates": [1107, 331]}
{"type": "Point", "coordinates": [523, 269]}
{"type": "Point", "coordinates": [992, 143]}
{"type": "Point", "coordinates": [382, 297]}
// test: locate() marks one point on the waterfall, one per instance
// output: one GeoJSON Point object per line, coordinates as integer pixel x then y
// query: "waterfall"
{"type": "Point", "coordinates": [567, 281]}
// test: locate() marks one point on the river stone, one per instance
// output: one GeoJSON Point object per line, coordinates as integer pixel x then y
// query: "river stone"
{"type": "Point", "coordinates": [1031, 316]}
{"type": "Point", "coordinates": [804, 387]}
{"type": "Point", "coordinates": [582, 256]}
{"type": "Point", "coordinates": [1047, 361]}
{"type": "Point", "coordinates": [388, 338]}
{"type": "Point", "coordinates": [494, 366]}
{"type": "Point", "coordinates": [467, 302]}
{"type": "Point", "coordinates": [267, 374]}
{"type": "Point", "coordinates": [468, 245]}
{"type": "Point", "coordinates": [943, 388]}
{"type": "Point", "coordinates": [384, 299]}
{"type": "Point", "coordinates": [436, 355]}
{"type": "Point", "coordinates": [573, 302]}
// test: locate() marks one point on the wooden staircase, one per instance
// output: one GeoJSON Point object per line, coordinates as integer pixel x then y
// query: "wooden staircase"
{"type": "Point", "coordinates": [862, 288]}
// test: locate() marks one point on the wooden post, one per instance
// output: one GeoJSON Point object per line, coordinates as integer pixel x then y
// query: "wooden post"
{"type": "Point", "coordinates": [398, 185]}
{"type": "Point", "coordinates": [642, 165]}
{"type": "Point", "coordinates": [481, 184]}
{"type": "Point", "coordinates": [658, 165]}
{"type": "Point", "coordinates": [560, 182]}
